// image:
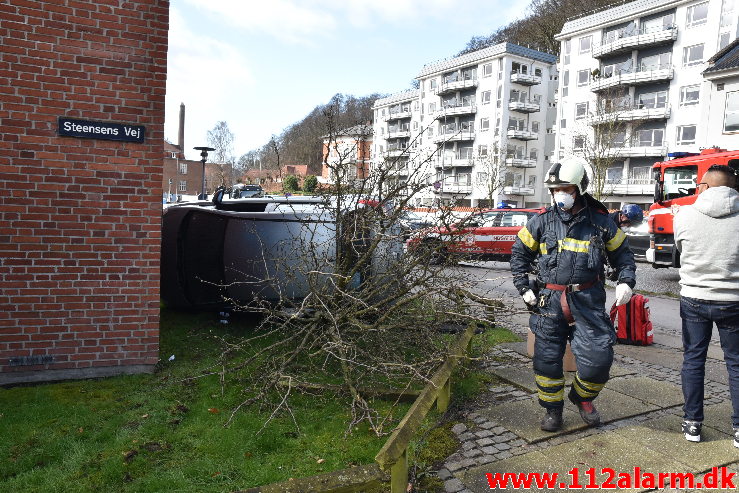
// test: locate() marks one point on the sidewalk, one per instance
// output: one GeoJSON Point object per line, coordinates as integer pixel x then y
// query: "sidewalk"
{"type": "Point", "coordinates": [641, 408]}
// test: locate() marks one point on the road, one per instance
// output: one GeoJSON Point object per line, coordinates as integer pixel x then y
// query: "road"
{"type": "Point", "coordinates": [493, 279]}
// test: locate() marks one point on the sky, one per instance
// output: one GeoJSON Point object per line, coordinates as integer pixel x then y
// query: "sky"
{"type": "Point", "coordinates": [262, 65]}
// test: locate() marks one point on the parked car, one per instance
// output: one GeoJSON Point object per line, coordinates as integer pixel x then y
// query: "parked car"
{"type": "Point", "coordinates": [487, 235]}
{"type": "Point", "coordinates": [638, 239]}
{"type": "Point", "coordinates": [246, 191]}
{"type": "Point", "coordinates": [410, 222]}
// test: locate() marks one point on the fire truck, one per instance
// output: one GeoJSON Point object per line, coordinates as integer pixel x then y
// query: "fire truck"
{"type": "Point", "coordinates": [675, 186]}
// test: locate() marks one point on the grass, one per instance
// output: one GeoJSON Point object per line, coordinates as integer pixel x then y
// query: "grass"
{"type": "Point", "coordinates": [159, 432]}
{"type": "Point", "coordinates": [156, 433]}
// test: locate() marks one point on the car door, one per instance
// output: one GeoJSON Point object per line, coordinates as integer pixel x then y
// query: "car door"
{"type": "Point", "coordinates": [481, 238]}
{"type": "Point", "coordinates": [505, 230]}
{"type": "Point", "coordinates": [464, 238]}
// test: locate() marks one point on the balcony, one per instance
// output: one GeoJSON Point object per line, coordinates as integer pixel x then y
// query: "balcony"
{"type": "Point", "coordinates": [398, 171]}
{"type": "Point", "coordinates": [514, 133]}
{"type": "Point", "coordinates": [398, 134]}
{"type": "Point", "coordinates": [455, 135]}
{"type": "Point", "coordinates": [525, 79]}
{"type": "Point", "coordinates": [398, 114]}
{"type": "Point", "coordinates": [459, 184]}
{"type": "Point", "coordinates": [643, 75]}
{"type": "Point", "coordinates": [627, 42]}
{"type": "Point", "coordinates": [648, 149]}
{"type": "Point", "coordinates": [462, 108]}
{"type": "Point", "coordinates": [524, 106]}
{"type": "Point", "coordinates": [458, 159]}
{"type": "Point", "coordinates": [454, 86]}
{"type": "Point", "coordinates": [520, 162]}
{"type": "Point", "coordinates": [516, 190]}
{"type": "Point", "coordinates": [395, 151]}
{"type": "Point", "coordinates": [630, 114]}
{"type": "Point", "coordinates": [630, 186]}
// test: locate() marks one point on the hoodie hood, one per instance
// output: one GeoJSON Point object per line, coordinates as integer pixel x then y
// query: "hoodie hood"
{"type": "Point", "coordinates": [718, 202]}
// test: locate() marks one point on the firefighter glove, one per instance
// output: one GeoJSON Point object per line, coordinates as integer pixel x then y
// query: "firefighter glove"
{"type": "Point", "coordinates": [530, 298]}
{"type": "Point", "coordinates": [623, 294]}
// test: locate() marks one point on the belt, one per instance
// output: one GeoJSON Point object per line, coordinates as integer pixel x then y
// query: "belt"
{"type": "Point", "coordinates": [569, 288]}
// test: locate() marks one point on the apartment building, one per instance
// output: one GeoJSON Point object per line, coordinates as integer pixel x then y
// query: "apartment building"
{"type": "Point", "coordinates": [631, 87]}
{"type": "Point", "coordinates": [396, 131]}
{"type": "Point", "coordinates": [478, 129]}
{"type": "Point", "coordinates": [347, 155]}
{"type": "Point", "coordinates": [720, 117]}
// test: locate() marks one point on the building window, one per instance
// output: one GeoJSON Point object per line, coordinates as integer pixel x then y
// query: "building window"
{"type": "Point", "coordinates": [432, 84]}
{"type": "Point", "coordinates": [563, 123]}
{"type": "Point", "coordinates": [487, 70]}
{"type": "Point", "coordinates": [692, 55]}
{"type": "Point", "coordinates": [689, 95]}
{"type": "Point", "coordinates": [731, 115]}
{"type": "Point", "coordinates": [686, 135]}
{"type": "Point", "coordinates": [415, 125]}
{"type": "Point", "coordinates": [566, 52]}
{"type": "Point", "coordinates": [415, 105]}
{"type": "Point", "coordinates": [585, 44]}
{"type": "Point", "coordinates": [652, 100]}
{"type": "Point", "coordinates": [432, 108]}
{"type": "Point", "coordinates": [485, 96]}
{"type": "Point", "coordinates": [583, 77]}
{"type": "Point", "coordinates": [578, 142]}
{"type": "Point", "coordinates": [484, 124]}
{"type": "Point", "coordinates": [535, 127]}
{"type": "Point", "coordinates": [697, 15]}
{"type": "Point", "coordinates": [483, 151]}
{"type": "Point", "coordinates": [650, 138]}
{"type": "Point", "coordinates": [581, 110]}
{"type": "Point", "coordinates": [723, 40]}
{"type": "Point", "coordinates": [183, 168]}
{"type": "Point", "coordinates": [182, 186]}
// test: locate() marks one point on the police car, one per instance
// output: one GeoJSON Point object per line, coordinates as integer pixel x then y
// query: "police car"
{"type": "Point", "coordinates": [486, 235]}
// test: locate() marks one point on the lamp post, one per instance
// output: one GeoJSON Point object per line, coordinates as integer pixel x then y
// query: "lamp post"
{"type": "Point", "coordinates": [203, 157]}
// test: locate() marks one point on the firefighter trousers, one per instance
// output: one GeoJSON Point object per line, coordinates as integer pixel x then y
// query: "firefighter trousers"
{"type": "Point", "coordinates": [591, 337]}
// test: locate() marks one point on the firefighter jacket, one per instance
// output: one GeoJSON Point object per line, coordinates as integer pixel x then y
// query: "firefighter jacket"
{"type": "Point", "coordinates": [572, 249]}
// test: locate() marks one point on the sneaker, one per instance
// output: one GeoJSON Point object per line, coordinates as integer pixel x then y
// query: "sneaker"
{"type": "Point", "coordinates": [588, 412]}
{"type": "Point", "coordinates": [736, 437]}
{"type": "Point", "coordinates": [692, 430]}
{"type": "Point", "coordinates": [552, 420]}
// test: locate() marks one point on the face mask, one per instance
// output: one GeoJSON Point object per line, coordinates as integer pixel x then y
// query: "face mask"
{"type": "Point", "coordinates": [564, 200]}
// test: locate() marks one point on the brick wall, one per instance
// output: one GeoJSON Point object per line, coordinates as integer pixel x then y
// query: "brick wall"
{"type": "Point", "coordinates": [80, 218]}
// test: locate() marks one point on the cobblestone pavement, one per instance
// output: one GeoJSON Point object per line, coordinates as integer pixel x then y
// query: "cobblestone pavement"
{"type": "Point", "coordinates": [483, 441]}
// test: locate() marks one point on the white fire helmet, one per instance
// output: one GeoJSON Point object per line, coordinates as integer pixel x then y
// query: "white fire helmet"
{"type": "Point", "coordinates": [571, 171]}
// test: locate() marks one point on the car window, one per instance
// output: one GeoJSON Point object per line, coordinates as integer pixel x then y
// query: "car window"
{"type": "Point", "coordinates": [516, 218]}
{"type": "Point", "coordinates": [490, 219]}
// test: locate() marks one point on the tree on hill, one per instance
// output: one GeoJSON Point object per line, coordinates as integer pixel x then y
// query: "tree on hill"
{"type": "Point", "coordinates": [301, 142]}
{"type": "Point", "coordinates": [542, 21]}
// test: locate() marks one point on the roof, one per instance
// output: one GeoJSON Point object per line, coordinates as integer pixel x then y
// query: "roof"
{"type": "Point", "coordinates": [484, 54]}
{"type": "Point", "coordinates": [361, 130]}
{"type": "Point", "coordinates": [725, 59]}
{"type": "Point", "coordinates": [398, 97]}
{"type": "Point", "coordinates": [616, 15]}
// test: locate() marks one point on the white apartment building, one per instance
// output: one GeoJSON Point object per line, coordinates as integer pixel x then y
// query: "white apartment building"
{"type": "Point", "coordinates": [720, 117]}
{"type": "Point", "coordinates": [635, 71]}
{"type": "Point", "coordinates": [479, 129]}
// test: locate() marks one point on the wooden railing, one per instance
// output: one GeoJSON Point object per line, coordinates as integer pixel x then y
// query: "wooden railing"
{"type": "Point", "coordinates": [393, 456]}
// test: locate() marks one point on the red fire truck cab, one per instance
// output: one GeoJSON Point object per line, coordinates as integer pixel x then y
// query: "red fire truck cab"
{"type": "Point", "coordinates": [675, 186]}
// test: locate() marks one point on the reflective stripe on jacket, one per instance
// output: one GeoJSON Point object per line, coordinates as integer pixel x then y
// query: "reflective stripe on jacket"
{"type": "Point", "coordinates": [571, 249]}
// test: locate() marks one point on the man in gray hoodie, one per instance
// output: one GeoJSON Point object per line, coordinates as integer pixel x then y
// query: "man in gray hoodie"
{"type": "Point", "coordinates": [707, 236]}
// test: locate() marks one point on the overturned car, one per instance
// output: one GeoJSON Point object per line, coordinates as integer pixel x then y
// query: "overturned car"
{"type": "Point", "coordinates": [270, 249]}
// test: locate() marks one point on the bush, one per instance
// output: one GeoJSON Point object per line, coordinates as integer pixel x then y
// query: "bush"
{"type": "Point", "coordinates": [290, 183]}
{"type": "Point", "coordinates": [310, 183]}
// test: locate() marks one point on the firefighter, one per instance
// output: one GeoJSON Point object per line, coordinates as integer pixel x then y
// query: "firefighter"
{"type": "Point", "coordinates": [571, 240]}
{"type": "Point", "coordinates": [629, 215]}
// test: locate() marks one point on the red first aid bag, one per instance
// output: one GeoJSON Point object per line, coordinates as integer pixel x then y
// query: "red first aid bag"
{"type": "Point", "coordinates": [632, 322]}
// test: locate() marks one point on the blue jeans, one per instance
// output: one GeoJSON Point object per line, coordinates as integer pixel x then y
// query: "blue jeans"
{"type": "Point", "coordinates": [698, 317]}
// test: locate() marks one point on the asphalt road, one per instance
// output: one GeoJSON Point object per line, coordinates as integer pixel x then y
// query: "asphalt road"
{"type": "Point", "coordinates": [494, 280]}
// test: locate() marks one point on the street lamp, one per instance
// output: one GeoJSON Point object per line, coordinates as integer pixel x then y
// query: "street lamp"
{"type": "Point", "coordinates": [203, 158]}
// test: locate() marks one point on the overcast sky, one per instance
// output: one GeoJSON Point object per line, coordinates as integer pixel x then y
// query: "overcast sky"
{"type": "Point", "coordinates": [261, 65]}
